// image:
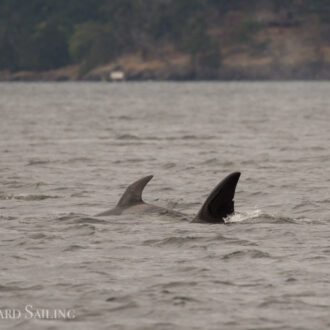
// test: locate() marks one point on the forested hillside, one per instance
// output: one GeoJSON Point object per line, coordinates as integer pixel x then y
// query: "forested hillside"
{"type": "Point", "coordinates": [164, 39]}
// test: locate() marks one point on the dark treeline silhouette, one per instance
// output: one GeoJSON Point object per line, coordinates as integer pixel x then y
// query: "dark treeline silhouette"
{"type": "Point", "coordinates": [41, 35]}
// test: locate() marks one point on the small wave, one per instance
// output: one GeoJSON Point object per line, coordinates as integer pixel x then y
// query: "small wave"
{"type": "Point", "coordinates": [166, 189]}
{"type": "Point", "coordinates": [127, 137]}
{"type": "Point", "coordinates": [131, 160]}
{"type": "Point", "coordinates": [189, 137]}
{"type": "Point", "coordinates": [224, 282]}
{"type": "Point", "coordinates": [217, 162]}
{"type": "Point", "coordinates": [258, 216]}
{"type": "Point", "coordinates": [40, 236]}
{"type": "Point", "coordinates": [126, 118]}
{"type": "Point", "coordinates": [121, 303]}
{"type": "Point", "coordinates": [90, 220]}
{"type": "Point", "coordinates": [122, 117]}
{"type": "Point", "coordinates": [78, 219]}
{"type": "Point", "coordinates": [68, 217]}
{"type": "Point", "coordinates": [18, 288]}
{"type": "Point", "coordinates": [232, 241]}
{"type": "Point", "coordinates": [116, 298]}
{"type": "Point", "coordinates": [35, 197]}
{"type": "Point", "coordinates": [282, 301]}
{"type": "Point", "coordinates": [77, 159]}
{"type": "Point", "coordinates": [305, 204]}
{"type": "Point", "coordinates": [26, 197]}
{"type": "Point", "coordinates": [255, 254]}
{"type": "Point", "coordinates": [32, 162]}
{"type": "Point", "coordinates": [127, 305]}
{"type": "Point", "coordinates": [239, 217]}
{"type": "Point", "coordinates": [7, 217]}
{"type": "Point", "coordinates": [175, 241]}
{"type": "Point", "coordinates": [74, 247]}
{"type": "Point", "coordinates": [210, 161]}
{"type": "Point", "coordinates": [327, 200]}
{"type": "Point", "coordinates": [83, 229]}
{"type": "Point", "coordinates": [169, 165]}
{"type": "Point", "coordinates": [4, 196]}
{"type": "Point", "coordinates": [177, 284]}
{"type": "Point", "coordinates": [183, 300]}
{"type": "Point", "coordinates": [80, 194]}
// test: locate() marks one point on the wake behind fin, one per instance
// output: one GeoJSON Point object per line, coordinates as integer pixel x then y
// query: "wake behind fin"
{"type": "Point", "coordinates": [220, 203]}
{"type": "Point", "coordinates": [133, 193]}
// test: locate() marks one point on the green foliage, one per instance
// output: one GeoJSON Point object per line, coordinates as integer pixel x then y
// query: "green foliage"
{"type": "Point", "coordinates": [47, 34]}
{"type": "Point", "coordinates": [185, 13]}
{"type": "Point", "coordinates": [280, 4]}
{"type": "Point", "coordinates": [319, 7]}
{"type": "Point", "coordinates": [34, 34]}
{"type": "Point", "coordinates": [246, 30]}
{"type": "Point", "coordinates": [194, 38]}
{"type": "Point", "coordinates": [224, 6]}
{"type": "Point", "coordinates": [259, 48]}
{"type": "Point", "coordinates": [83, 38]}
{"type": "Point", "coordinates": [204, 52]}
{"type": "Point", "coordinates": [245, 34]}
{"type": "Point", "coordinates": [93, 44]}
{"type": "Point", "coordinates": [49, 44]}
{"type": "Point", "coordinates": [8, 57]}
{"type": "Point", "coordinates": [211, 58]}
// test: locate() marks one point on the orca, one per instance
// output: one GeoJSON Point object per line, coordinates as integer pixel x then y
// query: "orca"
{"type": "Point", "coordinates": [218, 205]}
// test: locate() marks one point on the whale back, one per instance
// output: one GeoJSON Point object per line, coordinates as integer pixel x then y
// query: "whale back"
{"type": "Point", "coordinates": [220, 202]}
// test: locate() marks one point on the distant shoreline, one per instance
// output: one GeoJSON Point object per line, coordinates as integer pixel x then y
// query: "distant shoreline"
{"type": "Point", "coordinates": [166, 41]}
{"type": "Point", "coordinates": [303, 71]}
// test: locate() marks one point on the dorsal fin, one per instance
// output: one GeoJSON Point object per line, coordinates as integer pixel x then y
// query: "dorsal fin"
{"type": "Point", "coordinates": [133, 193]}
{"type": "Point", "coordinates": [220, 202]}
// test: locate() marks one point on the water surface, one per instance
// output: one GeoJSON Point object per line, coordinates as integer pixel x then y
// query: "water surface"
{"type": "Point", "coordinates": [69, 150]}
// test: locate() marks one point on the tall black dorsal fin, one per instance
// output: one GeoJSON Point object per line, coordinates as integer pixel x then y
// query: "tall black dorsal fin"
{"type": "Point", "coordinates": [220, 202]}
{"type": "Point", "coordinates": [133, 193]}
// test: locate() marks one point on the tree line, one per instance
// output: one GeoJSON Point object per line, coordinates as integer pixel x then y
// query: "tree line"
{"type": "Point", "coordinates": [48, 34]}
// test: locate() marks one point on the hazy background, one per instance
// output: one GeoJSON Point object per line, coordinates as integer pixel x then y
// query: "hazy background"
{"type": "Point", "coordinates": [164, 39]}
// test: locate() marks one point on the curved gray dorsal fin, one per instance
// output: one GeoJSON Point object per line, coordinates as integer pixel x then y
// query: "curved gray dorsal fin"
{"type": "Point", "coordinates": [133, 193]}
{"type": "Point", "coordinates": [220, 203]}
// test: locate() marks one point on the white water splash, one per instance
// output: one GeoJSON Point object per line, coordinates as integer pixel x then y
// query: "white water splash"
{"type": "Point", "coordinates": [243, 216]}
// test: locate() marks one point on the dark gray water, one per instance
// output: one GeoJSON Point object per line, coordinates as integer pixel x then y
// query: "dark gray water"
{"type": "Point", "coordinates": [69, 150]}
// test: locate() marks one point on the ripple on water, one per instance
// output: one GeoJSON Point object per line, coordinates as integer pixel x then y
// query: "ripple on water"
{"type": "Point", "coordinates": [121, 303]}
{"type": "Point", "coordinates": [242, 254]}
{"type": "Point", "coordinates": [33, 162]}
{"type": "Point", "coordinates": [42, 236]}
{"type": "Point", "coordinates": [32, 197]}
{"type": "Point", "coordinates": [80, 219]}
{"type": "Point", "coordinates": [176, 241]}
{"type": "Point", "coordinates": [127, 137]}
{"type": "Point", "coordinates": [20, 288]}
{"type": "Point", "coordinates": [74, 247]}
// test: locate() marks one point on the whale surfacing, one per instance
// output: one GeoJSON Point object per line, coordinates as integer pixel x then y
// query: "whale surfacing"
{"type": "Point", "coordinates": [218, 205]}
